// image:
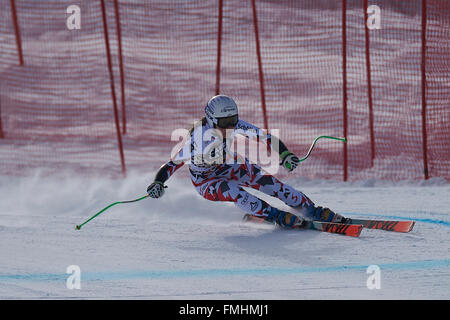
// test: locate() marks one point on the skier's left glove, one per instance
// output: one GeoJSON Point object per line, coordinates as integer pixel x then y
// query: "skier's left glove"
{"type": "Point", "coordinates": [156, 189]}
{"type": "Point", "coordinates": [289, 161]}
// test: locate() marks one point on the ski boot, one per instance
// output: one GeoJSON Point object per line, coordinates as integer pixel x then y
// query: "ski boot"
{"type": "Point", "coordinates": [284, 219]}
{"type": "Point", "coordinates": [323, 214]}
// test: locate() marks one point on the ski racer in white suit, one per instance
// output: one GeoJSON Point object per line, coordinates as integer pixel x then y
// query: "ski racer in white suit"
{"type": "Point", "coordinates": [217, 178]}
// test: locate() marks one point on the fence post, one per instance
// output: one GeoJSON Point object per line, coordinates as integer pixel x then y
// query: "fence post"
{"type": "Point", "coordinates": [369, 85]}
{"type": "Point", "coordinates": [17, 31]}
{"type": "Point", "coordinates": [113, 91]}
{"type": "Point", "coordinates": [121, 69]}
{"type": "Point", "coordinates": [261, 76]}
{"type": "Point", "coordinates": [344, 82]}
{"type": "Point", "coordinates": [424, 88]}
{"type": "Point", "coordinates": [1, 128]}
{"type": "Point", "coordinates": [219, 46]}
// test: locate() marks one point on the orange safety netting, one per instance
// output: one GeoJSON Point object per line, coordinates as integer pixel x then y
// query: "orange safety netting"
{"type": "Point", "coordinates": [307, 68]}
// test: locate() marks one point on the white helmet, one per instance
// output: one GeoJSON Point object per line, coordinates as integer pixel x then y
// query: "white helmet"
{"type": "Point", "coordinates": [221, 111]}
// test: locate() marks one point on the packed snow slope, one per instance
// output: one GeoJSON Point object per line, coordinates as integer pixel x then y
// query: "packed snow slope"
{"type": "Point", "coordinates": [185, 247]}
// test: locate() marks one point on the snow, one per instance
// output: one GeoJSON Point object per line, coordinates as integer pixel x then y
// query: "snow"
{"type": "Point", "coordinates": [185, 247]}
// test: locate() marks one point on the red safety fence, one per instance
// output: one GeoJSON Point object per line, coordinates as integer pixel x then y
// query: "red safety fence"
{"type": "Point", "coordinates": [107, 97]}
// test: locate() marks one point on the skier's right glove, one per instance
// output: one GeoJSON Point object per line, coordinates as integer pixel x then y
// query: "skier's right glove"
{"type": "Point", "coordinates": [156, 189]}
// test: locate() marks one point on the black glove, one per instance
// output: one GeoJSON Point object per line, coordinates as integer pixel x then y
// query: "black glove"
{"type": "Point", "coordinates": [156, 189]}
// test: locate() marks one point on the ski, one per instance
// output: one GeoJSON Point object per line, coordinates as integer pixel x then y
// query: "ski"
{"type": "Point", "coordinates": [352, 230]}
{"type": "Point", "coordinates": [388, 225]}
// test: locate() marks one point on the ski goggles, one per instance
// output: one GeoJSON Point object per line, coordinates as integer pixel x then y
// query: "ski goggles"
{"type": "Point", "coordinates": [227, 122]}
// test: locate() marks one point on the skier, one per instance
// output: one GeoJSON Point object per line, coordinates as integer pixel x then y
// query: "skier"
{"type": "Point", "coordinates": [217, 179]}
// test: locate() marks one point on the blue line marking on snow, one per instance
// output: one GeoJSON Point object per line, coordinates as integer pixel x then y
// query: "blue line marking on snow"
{"type": "Point", "coordinates": [432, 221]}
{"type": "Point", "coordinates": [127, 275]}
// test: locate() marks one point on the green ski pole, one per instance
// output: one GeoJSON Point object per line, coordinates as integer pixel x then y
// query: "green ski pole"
{"type": "Point", "coordinates": [78, 227]}
{"type": "Point", "coordinates": [314, 143]}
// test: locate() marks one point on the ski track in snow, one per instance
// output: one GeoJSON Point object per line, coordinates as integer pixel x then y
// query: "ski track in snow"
{"type": "Point", "coordinates": [185, 247]}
